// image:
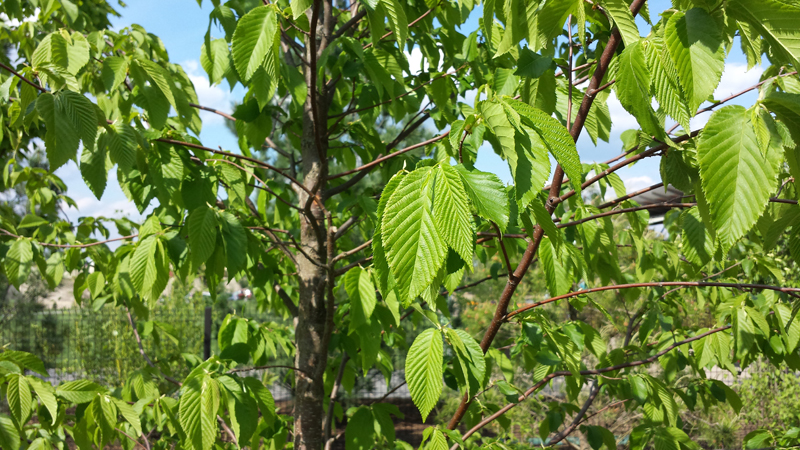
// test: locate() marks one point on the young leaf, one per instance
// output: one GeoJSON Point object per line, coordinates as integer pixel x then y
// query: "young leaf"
{"type": "Point", "coordinates": [633, 89]}
{"type": "Point", "coordinates": [424, 370]}
{"type": "Point", "coordinates": [18, 262]}
{"type": "Point", "coordinates": [451, 211]}
{"type": "Point", "coordinates": [695, 44]}
{"type": "Point", "coordinates": [487, 194]}
{"type": "Point", "coordinates": [359, 287]}
{"type": "Point", "coordinates": [414, 249]}
{"type": "Point", "coordinates": [737, 179]}
{"type": "Point", "coordinates": [202, 234]}
{"type": "Point", "coordinates": [253, 40]}
{"type": "Point", "coordinates": [620, 12]}
{"type": "Point", "coordinates": [198, 408]}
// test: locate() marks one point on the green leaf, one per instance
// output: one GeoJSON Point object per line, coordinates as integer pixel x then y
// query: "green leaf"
{"type": "Point", "coordinates": [94, 168]}
{"type": "Point", "coordinates": [414, 249]}
{"type": "Point", "coordinates": [299, 7]}
{"type": "Point", "coordinates": [633, 89]}
{"type": "Point", "coordinates": [202, 234]}
{"type": "Point", "coordinates": [556, 138]}
{"type": "Point", "coordinates": [18, 393]}
{"type": "Point", "coordinates": [79, 391]}
{"type": "Point", "coordinates": [451, 211]}
{"type": "Point", "coordinates": [487, 194]}
{"type": "Point", "coordinates": [69, 118]}
{"type": "Point", "coordinates": [787, 109]}
{"type": "Point", "coordinates": [424, 370]}
{"type": "Point", "coordinates": [695, 44]}
{"type": "Point", "coordinates": [114, 70]}
{"type": "Point", "coordinates": [545, 220]}
{"type": "Point", "coordinates": [198, 409]}
{"type": "Point", "coordinates": [398, 22]}
{"type": "Point", "coordinates": [263, 397]}
{"type": "Point", "coordinates": [160, 78]}
{"type": "Point", "coordinates": [253, 40]}
{"type": "Point", "coordinates": [96, 282]}
{"type": "Point", "coordinates": [438, 441]}
{"type": "Point", "coordinates": [531, 64]}
{"type": "Point", "coordinates": [359, 287]}
{"type": "Point", "coordinates": [664, 80]}
{"type": "Point", "coordinates": [360, 431]}
{"type": "Point", "coordinates": [149, 267]}
{"type": "Point", "coordinates": [235, 239]}
{"type": "Point", "coordinates": [776, 21]}
{"type": "Point", "coordinates": [24, 360]}
{"type": "Point", "coordinates": [215, 59]}
{"type": "Point", "coordinates": [697, 242]}
{"type": "Point", "coordinates": [556, 275]}
{"type": "Point", "coordinates": [383, 274]}
{"type": "Point", "coordinates": [9, 437]}
{"type": "Point", "coordinates": [46, 396]}
{"type": "Point", "coordinates": [18, 261]}
{"type": "Point", "coordinates": [737, 179]}
{"type": "Point", "coordinates": [470, 356]}
{"type": "Point", "coordinates": [620, 13]}
{"type": "Point", "coordinates": [129, 414]}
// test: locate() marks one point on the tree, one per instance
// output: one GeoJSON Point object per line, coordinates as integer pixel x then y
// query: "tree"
{"type": "Point", "coordinates": [350, 261]}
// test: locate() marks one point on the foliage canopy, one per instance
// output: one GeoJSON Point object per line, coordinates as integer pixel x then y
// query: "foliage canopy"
{"type": "Point", "coordinates": [355, 234]}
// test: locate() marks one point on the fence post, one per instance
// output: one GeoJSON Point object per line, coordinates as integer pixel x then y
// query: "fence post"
{"type": "Point", "coordinates": [207, 334]}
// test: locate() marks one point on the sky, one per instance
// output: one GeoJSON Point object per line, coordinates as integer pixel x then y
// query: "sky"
{"type": "Point", "coordinates": [182, 25]}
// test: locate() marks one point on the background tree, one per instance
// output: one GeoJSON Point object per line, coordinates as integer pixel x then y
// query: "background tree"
{"type": "Point", "coordinates": [349, 263]}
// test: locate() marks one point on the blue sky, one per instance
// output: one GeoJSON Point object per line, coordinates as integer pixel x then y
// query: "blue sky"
{"type": "Point", "coordinates": [181, 25]}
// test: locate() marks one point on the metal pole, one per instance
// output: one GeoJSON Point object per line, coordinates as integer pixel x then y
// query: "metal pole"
{"type": "Point", "coordinates": [207, 334]}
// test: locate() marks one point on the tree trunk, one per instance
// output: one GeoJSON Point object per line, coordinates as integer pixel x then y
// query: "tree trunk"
{"type": "Point", "coordinates": [311, 334]}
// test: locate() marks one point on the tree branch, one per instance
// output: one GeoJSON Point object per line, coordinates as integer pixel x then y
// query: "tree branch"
{"type": "Point", "coordinates": [287, 301]}
{"type": "Point", "coordinates": [740, 286]}
{"type": "Point", "coordinates": [18, 75]}
{"type": "Point", "coordinates": [553, 375]}
{"type": "Point", "coordinates": [91, 244]}
{"type": "Point", "coordinates": [352, 251]}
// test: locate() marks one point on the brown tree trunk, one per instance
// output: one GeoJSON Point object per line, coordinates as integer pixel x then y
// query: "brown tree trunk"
{"type": "Point", "coordinates": [312, 334]}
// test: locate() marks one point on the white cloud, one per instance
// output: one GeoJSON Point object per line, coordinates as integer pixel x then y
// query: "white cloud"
{"type": "Point", "coordinates": [418, 63]}
{"type": "Point", "coordinates": [621, 120]}
{"type": "Point", "coordinates": [207, 95]}
{"type": "Point", "coordinates": [636, 183]}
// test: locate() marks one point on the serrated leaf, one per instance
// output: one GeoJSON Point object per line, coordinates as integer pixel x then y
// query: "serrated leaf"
{"type": "Point", "coordinates": [129, 414]}
{"type": "Point", "coordinates": [18, 394]}
{"type": "Point", "coordinates": [18, 261]}
{"type": "Point", "coordinates": [633, 89]}
{"type": "Point", "coordinates": [113, 73]}
{"type": "Point", "coordinates": [398, 22]}
{"type": "Point", "coordinates": [46, 396]}
{"type": "Point", "coordinates": [664, 81]}
{"type": "Point", "coordinates": [9, 437]}
{"type": "Point", "coordinates": [96, 282]}
{"type": "Point", "coordinates": [695, 44]}
{"type": "Point", "coordinates": [197, 411]}
{"type": "Point", "coordinates": [202, 234]}
{"type": "Point", "coordinates": [93, 168]}
{"type": "Point", "coordinates": [697, 242]}
{"type": "Point", "coordinates": [556, 138]}
{"type": "Point", "coordinates": [160, 78]}
{"type": "Point", "coordinates": [215, 59]}
{"type": "Point", "coordinates": [234, 237]}
{"type": "Point", "coordinates": [451, 211]}
{"type": "Point", "coordinates": [263, 397]}
{"type": "Point", "coordinates": [70, 119]}
{"type": "Point", "coordinates": [359, 287]}
{"type": "Point", "coordinates": [414, 249]}
{"type": "Point", "coordinates": [487, 194]}
{"type": "Point", "coordinates": [79, 391]}
{"type": "Point", "coordinates": [620, 13]}
{"type": "Point", "coordinates": [299, 7]}
{"type": "Point", "coordinates": [737, 179]}
{"type": "Point", "coordinates": [776, 21]}
{"type": "Point", "coordinates": [253, 40]}
{"type": "Point", "coordinates": [383, 273]}
{"type": "Point", "coordinates": [556, 274]}
{"type": "Point", "coordinates": [424, 370]}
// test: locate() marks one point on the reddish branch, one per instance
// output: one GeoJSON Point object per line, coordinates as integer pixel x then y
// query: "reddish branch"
{"type": "Point", "coordinates": [553, 375]}
{"type": "Point", "coordinates": [630, 196]}
{"type": "Point", "coordinates": [91, 244]}
{"type": "Point", "coordinates": [502, 305]}
{"type": "Point", "coordinates": [740, 286]}
{"type": "Point", "coordinates": [18, 75]}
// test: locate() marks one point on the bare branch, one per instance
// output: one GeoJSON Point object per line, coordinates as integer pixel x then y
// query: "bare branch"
{"type": "Point", "coordinates": [91, 244]}
{"type": "Point", "coordinates": [683, 284]}
{"type": "Point", "coordinates": [18, 75]}
{"type": "Point", "coordinates": [352, 251]}
{"type": "Point", "coordinates": [553, 375]}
